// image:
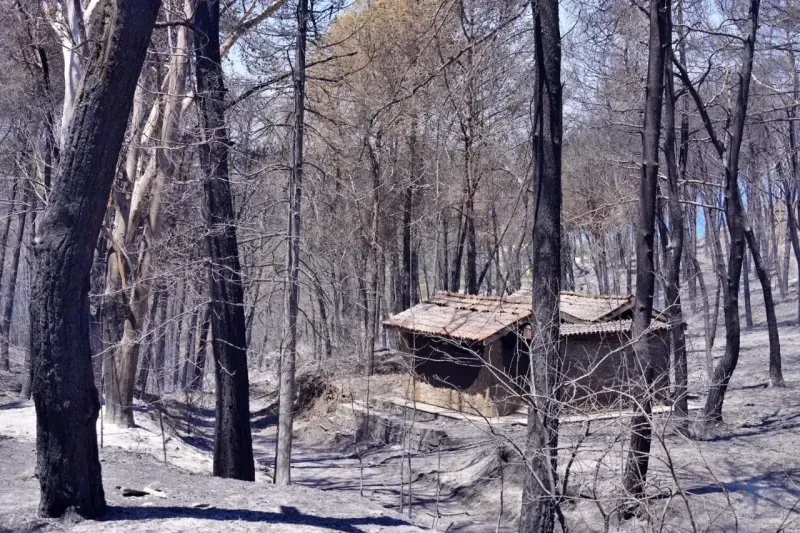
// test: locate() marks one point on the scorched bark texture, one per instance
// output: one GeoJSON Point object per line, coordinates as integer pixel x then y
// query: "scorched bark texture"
{"type": "Point", "coordinates": [63, 386]}
{"type": "Point", "coordinates": [539, 498]}
{"type": "Point", "coordinates": [233, 444]}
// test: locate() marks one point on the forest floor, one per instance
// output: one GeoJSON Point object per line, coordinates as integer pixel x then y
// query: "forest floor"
{"type": "Point", "coordinates": [742, 475]}
{"type": "Point", "coordinates": [180, 495]}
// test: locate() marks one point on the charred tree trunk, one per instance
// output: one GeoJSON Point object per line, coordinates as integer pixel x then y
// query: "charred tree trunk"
{"type": "Point", "coordinates": [187, 369]}
{"type": "Point", "coordinates": [748, 309]}
{"type": "Point", "coordinates": [709, 333]}
{"type": "Point", "coordinates": [177, 341]}
{"type": "Point", "coordinates": [9, 288]}
{"type": "Point", "coordinates": [792, 229]}
{"type": "Point", "coordinates": [540, 499]}
{"type": "Point", "coordinates": [775, 372]}
{"type": "Point", "coordinates": [200, 363]}
{"type": "Point", "coordinates": [147, 357]}
{"type": "Point", "coordinates": [408, 205]}
{"type": "Point", "coordinates": [233, 445]}
{"type": "Point", "coordinates": [787, 260]}
{"type": "Point", "coordinates": [159, 358]}
{"type": "Point", "coordinates": [472, 249]}
{"type": "Point", "coordinates": [27, 376]}
{"type": "Point", "coordinates": [66, 399]}
{"type": "Point", "coordinates": [323, 316]}
{"type": "Point", "coordinates": [736, 221]}
{"type": "Point", "coordinates": [794, 159]}
{"type": "Point", "coordinates": [283, 449]}
{"type": "Point", "coordinates": [639, 454]}
{"type": "Point", "coordinates": [674, 249]}
{"type": "Point", "coordinates": [7, 225]}
{"type": "Point", "coordinates": [444, 261]}
{"type": "Point", "coordinates": [405, 284]}
{"type": "Point", "coordinates": [455, 270]}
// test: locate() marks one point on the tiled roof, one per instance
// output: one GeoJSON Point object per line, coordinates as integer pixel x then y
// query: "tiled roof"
{"type": "Point", "coordinates": [479, 303]}
{"type": "Point", "coordinates": [461, 316]}
{"type": "Point", "coordinates": [581, 308]}
{"type": "Point", "coordinates": [480, 318]}
{"type": "Point", "coordinates": [613, 326]}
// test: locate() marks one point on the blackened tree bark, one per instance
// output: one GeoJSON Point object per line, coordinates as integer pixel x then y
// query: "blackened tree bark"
{"type": "Point", "coordinates": [323, 316]}
{"type": "Point", "coordinates": [790, 195]}
{"type": "Point", "coordinates": [283, 449]}
{"type": "Point", "coordinates": [443, 261]}
{"type": "Point", "coordinates": [200, 363]}
{"type": "Point", "coordinates": [408, 205]}
{"type": "Point", "coordinates": [709, 341]}
{"type": "Point", "coordinates": [734, 209]}
{"type": "Point", "coordinates": [455, 269]}
{"type": "Point", "coordinates": [748, 309]}
{"type": "Point", "coordinates": [7, 226]}
{"type": "Point", "coordinates": [793, 208]}
{"type": "Point", "coordinates": [50, 156]}
{"type": "Point", "coordinates": [674, 249]}
{"type": "Point", "coordinates": [233, 445]}
{"type": "Point", "coordinates": [775, 371]}
{"type": "Point", "coordinates": [540, 498]}
{"type": "Point", "coordinates": [159, 357]}
{"type": "Point", "coordinates": [66, 399]}
{"type": "Point", "coordinates": [189, 356]}
{"type": "Point", "coordinates": [4, 358]}
{"type": "Point", "coordinates": [147, 355]}
{"type": "Point", "coordinates": [639, 453]}
{"type": "Point", "coordinates": [27, 376]}
{"type": "Point", "coordinates": [9, 289]}
{"type": "Point", "coordinates": [178, 311]}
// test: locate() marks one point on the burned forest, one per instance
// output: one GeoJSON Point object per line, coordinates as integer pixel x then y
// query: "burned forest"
{"type": "Point", "coordinates": [400, 265]}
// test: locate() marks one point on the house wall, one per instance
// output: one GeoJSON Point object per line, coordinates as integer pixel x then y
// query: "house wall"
{"type": "Point", "coordinates": [600, 370]}
{"type": "Point", "coordinates": [444, 362]}
{"type": "Point", "coordinates": [605, 370]}
{"type": "Point", "coordinates": [455, 376]}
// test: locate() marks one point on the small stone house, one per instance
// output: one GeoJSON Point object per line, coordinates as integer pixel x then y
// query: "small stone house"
{"type": "Point", "coordinates": [470, 353]}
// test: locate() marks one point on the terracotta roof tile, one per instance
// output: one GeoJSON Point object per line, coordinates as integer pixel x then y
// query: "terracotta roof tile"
{"type": "Point", "coordinates": [581, 308]}
{"type": "Point", "coordinates": [461, 316]}
{"type": "Point", "coordinates": [478, 318]}
{"type": "Point", "coordinates": [613, 326]}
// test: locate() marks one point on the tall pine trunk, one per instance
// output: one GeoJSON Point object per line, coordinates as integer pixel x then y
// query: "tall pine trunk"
{"type": "Point", "coordinates": [7, 222]}
{"type": "Point", "coordinates": [775, 372]}
{"type": "Point", "coordinates": [147, 357]}
{"type": "Point", "coordinates": [748, 309]}
{"type": "Point", "coordinates": [540, 493]}
{"type": "Point", "coordinates": [675, 172]}
{"type": "Point", "coordinates": [199, 368]}
{"type": "Point", "coordinates": [9, 289]}
{"type": "Point", "coordinates": [233, 445]}
{"type": "Point", "coordinates": [736, 223]}
{"type": "Point", "coordinates": [639, 453]}
{"type": "Point", "coordinates": [283, 449]}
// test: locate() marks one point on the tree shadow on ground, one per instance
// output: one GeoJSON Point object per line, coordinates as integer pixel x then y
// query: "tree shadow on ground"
{"type": "Point", "coordinates": [287, 515]}
{"type": "Point", "coordinates": [263, 418]}
{"type": "Point", "coordinates": [760, 486]}
{"type": "Point", "coordinates": [15, 405]}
